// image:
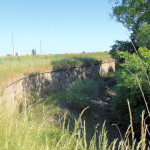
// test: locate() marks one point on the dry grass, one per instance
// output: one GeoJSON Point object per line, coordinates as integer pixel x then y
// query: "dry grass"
{"type": "Point", "coordinates": [32, 130]}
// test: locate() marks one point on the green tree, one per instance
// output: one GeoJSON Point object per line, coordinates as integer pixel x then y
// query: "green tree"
{"type": "Point", "coordinates": [144, 36]}
{"type": "Point", "coordinates": [121, 46]}
{"type": "Point", "coordinates": [130, 78]}
{"type": "Point", "coordinates": [134, 15]}
{"type": "Point", "coordinates": [33, 52]}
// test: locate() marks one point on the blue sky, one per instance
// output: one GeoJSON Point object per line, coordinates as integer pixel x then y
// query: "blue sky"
{"type": "Point", "coordinates": [63, 26]}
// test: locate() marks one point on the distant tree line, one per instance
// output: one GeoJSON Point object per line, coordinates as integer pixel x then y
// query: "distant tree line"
{"type": "Point", "coordinates": [33, 52]}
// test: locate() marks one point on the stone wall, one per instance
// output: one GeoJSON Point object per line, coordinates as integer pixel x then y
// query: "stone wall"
{"type": "Point", "coordinates": [44, 84]}
{"type": "Point", "coordinates": [52, 82]}
{"type": "Point", "coordinates": [13, 96]}
{"type": "Point", "coordinates": [106, 68]}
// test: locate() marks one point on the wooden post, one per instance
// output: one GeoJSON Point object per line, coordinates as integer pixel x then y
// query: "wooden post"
{"type": "Point", "coordinates": [13, 44]}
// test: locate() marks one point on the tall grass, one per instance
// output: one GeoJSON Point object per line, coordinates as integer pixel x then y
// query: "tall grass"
{"type": "Point", "coordinates": [25, 132]}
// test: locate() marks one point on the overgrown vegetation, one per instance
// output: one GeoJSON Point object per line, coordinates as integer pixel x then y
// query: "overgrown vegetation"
{"type": "Point", "coordinates": [35, 127]}
{"type": "Point", "coordinates": [131, 79]}
{"type": "Point", "coordinates": [134, 15]}
{"type": "Point", "coordinates": [133, 75]}
{"type": "Point", "coordinates": [80, 92]}
{"type": "Point", "coordinates": [121, 46]}
{"type": "Point", "coordinates": [73, 62]}
{"type": "Point", "coordinates": [27, 131]}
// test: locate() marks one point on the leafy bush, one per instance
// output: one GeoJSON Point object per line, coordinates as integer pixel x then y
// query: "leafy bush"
{"type": "Point", "coordinates": [121, 46]}
{"type": "Point", "coordinates": [80, 92]}
{"type": "Point", "coordinates": [73, 62]}
{"type": "Point", "coordinates": [64, 63]}
{"type": "Point", "coordinates": [86, 60]}
{"type": "Point", "coordinates": [129, 79]}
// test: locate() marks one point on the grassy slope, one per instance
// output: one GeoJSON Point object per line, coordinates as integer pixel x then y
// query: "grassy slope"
{"type": "Point", "coordinates": [11, 67]}
{"type": "Point", "coordinates": [33, 129]}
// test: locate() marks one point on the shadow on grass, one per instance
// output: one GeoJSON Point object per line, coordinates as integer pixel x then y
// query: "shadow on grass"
{"type": "Point", "coordinates": [73, 62]}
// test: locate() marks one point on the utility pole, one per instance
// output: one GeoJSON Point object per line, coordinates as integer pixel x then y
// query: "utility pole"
{"type": "Point", "coordinates": [13, 44]}
{"type": "Point", "coordinates": [41, 47]}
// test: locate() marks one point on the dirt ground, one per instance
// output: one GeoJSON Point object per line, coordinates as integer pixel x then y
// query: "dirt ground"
{"type": "Point", "coordinates": [100, 112]}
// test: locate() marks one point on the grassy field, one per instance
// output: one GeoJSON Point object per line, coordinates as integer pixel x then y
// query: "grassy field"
{"type": "Point", "coordinates": [11, 67]}
{"type": "Point", "coordinates": [44, 125]}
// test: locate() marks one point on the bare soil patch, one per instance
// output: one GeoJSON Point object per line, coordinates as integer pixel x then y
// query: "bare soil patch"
{"type": "Point", "coordinates": [100, 112]}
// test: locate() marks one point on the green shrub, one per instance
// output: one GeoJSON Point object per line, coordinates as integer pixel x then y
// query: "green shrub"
{"type": "Point", "coordinates": [64, 63]}
{"type": "Point", "coordinates": [129, 79]}
{"type": "Point", "coordinates": [86, 60]}
{"type": "Point", "coordinates": [73, 62]}
{"type": "Point", "coordinates": [80, 92]}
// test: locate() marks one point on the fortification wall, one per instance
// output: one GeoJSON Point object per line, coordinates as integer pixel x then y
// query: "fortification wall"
{"type": "Point", "coordinates": [39, 85]}
{"type": "Point", "coordinates": [107, 67]}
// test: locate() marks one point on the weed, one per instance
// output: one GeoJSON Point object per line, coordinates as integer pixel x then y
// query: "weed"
{"type": "Point", "coordinates": [80, 92]}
